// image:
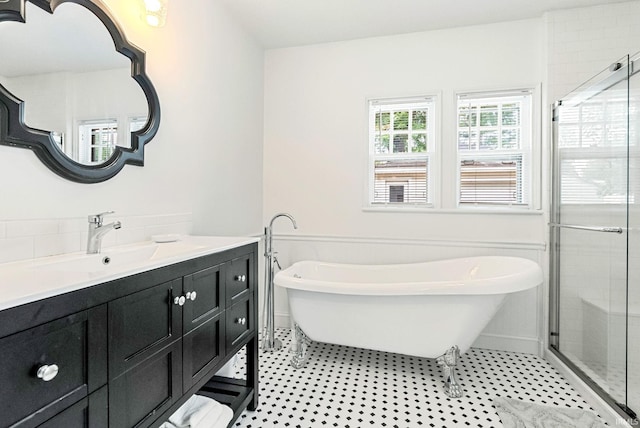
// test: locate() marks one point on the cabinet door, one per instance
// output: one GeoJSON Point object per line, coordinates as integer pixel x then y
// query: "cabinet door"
{"type": "Point", "coordinates": [204, 291]}
{"type": "Point", "coordinates": [52, 366]}
{"type": "Point", "coordinates": [138, 396]}
{"type": "Point", "coordinates": [90, 412]}
{"type": "Point", "coordinates": [203, 348]}
{"type": "Point", "coordinates": [239, 279]}
{"type": "Point", "coordinates": [141, 324]}
{"type": "Point", "coordinates": [203, 343]}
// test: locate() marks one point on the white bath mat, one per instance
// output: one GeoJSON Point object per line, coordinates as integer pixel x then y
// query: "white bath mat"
{"type": "Point", "coordinates": [521, 414]}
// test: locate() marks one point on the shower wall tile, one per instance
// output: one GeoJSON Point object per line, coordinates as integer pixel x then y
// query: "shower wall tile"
{"type": "Point", "coordinates": [582, 42]}
{"type": "Point", "coordinates": [27, 239]}
{"type": "Point", "coordinates": [14, 249]}
{"type": "Point", "coordinates": [46, 245]}
{"type": "Point", "coordinates": [31, 228]}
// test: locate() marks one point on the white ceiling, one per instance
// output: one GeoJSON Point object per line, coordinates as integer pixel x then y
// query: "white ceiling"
{"type": "Point", "coordinates": [282, 23]}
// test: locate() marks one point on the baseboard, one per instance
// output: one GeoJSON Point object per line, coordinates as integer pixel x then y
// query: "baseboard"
{"type": "Point", "coordinates": [282, 320]}
{"type": "Point", "coordinates": [527, 345]}
{"type": "Point", "coordinates": [595, 401]}
{"type": "Point", "coordinates": [488, 341]}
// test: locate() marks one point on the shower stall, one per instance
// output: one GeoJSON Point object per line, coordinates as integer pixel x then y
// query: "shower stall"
{"type": "Point", "coordinates": [595, 234]}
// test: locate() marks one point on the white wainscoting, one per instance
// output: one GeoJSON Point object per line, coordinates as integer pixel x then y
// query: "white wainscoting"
{"type": "Point", "coordinates": [518, 325]}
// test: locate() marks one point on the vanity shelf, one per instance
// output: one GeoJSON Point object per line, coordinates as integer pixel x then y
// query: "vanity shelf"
{"type": "Point", "coordinates": [130, 351]}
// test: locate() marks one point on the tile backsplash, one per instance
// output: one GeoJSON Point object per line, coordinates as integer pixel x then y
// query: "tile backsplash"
{"type": "Point", "coordinates": [28, 239]}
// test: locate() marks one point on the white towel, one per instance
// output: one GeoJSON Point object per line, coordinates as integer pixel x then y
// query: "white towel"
{"type": "Point", "coordinates": [200, 412]}
{"type": "Point", "coordinates": [225, 416]}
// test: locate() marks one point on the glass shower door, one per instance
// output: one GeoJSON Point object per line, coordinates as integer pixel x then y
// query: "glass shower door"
{"type": "Point", "coordinates": [589, 230]}
{"type": "Point", "coordinates": [633, 312]}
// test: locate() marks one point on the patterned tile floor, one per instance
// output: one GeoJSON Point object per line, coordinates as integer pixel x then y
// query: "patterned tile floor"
{"type": "Point", "coordinates": [354, 388]}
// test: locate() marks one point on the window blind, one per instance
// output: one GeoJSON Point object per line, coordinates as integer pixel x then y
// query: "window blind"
{"type": "Point", "coordinates": [492, 180]}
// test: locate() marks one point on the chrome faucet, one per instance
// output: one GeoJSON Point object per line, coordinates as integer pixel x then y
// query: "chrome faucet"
{"type": "Point", "coordinates": [97, 230]}
{"type": "Point", "coordinates": [269, 342]}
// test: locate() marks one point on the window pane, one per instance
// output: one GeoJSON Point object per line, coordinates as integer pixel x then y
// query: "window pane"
{"type": "Point", "coordinates": [400, 143]}
{"type": "Point", "coordinates": [383, 121]}
{"type": "Point", "coordinates": [511, 114]}
{"type": "Point", "coordinates": [382, 144]}
{"type": "Point", "coordinates": [593, 112]}
{"type": "Point", "coordinates": [401, 120]}
{"type": "Point", "coordinates": [466, 143]}
{"type": "Point", "coordinates": [419, 120]}
{"type": "Point", "coordinates": [617, 134]}
{"type": "Point", "coordinates": [568, 135]}
{"type": "Point", "coordinates": [510, 139]}
{"type": "Point", "coordinates": [592, 135]}
{"type": "Point", "coordinates": [467, 116]}
{"type": "Point", "coordinates": [488, 140]}
{"type": "Point", "coordinates": [489, 115]}
{"type": "Point", "coordinates": [419, 143]}
{"type": "Point", "coordinates": [404, 179]}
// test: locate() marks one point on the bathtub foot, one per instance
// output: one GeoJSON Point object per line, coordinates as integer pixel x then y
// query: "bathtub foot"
{"type": "Point", "coordinates": [448, 362]}
{"type": "Point", "coordinates": [299, 348]}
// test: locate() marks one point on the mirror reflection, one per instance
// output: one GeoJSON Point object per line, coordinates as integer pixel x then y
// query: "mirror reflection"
{"type": "Point", "coordinates": [72, 81]}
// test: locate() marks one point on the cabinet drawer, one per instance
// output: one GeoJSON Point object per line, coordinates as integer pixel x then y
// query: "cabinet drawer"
{"type": "Point", "coordinates": [239, 279]}
{"type": "Point", "coordinates": [239, 324]}
{"type": "Point", "coordinates": [64, 346]}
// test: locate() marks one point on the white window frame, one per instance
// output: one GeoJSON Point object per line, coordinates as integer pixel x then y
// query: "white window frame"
{"type": "Point", "coordinates": [431, 155]}
{"type": "Point", "coordinates": [84, 138]}
{"type": "Point", "coordinates": [528, 138]}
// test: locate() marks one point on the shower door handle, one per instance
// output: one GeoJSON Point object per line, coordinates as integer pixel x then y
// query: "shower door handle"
{"type": "Point", "coordinates": [606, 229]}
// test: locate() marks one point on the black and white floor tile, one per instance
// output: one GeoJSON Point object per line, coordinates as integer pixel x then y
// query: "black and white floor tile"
{"type": "Point", "coordinates": [347, 387]}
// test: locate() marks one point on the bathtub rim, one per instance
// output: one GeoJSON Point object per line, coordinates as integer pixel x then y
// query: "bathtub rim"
{"type": "Point", "coordinates": [530, 277]}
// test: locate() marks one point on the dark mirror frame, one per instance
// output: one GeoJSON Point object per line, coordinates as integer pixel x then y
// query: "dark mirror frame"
{"type": "Point", "coordinates": [14, 132]}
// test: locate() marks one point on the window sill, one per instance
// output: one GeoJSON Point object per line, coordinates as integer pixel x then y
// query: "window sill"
{"type": "Point", "coordinates": [475, 210]}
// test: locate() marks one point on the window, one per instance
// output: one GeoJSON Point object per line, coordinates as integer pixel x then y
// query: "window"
{"type": "Point", "coordinates": [401, 149]}
{"type": "Point", "coordinates": [592, 150]}
{"type": "Point", "coordinates": [494, 148]}
{"type": "Point", "coordinates": [97, 140]}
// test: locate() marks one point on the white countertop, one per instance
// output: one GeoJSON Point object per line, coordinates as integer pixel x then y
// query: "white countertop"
{"type": "Point", "coordinates": [30, 280]}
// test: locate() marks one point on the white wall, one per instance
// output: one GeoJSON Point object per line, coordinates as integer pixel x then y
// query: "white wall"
{"type": "Point", "coordinates": [207, 156]}
{"type": "Point", "coordinates": [315, 154]}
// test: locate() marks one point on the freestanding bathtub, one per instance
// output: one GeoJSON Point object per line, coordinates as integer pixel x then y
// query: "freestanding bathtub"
{"type": "Point", "coordinates": [432, 310]}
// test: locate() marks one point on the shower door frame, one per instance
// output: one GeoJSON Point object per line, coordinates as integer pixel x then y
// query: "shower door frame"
{"type": "Point", "coordinates": [555, 224]}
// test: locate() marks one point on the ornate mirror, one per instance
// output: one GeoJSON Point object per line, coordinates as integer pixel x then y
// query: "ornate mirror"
{"type": "Point", "coordinates": [73, 89]}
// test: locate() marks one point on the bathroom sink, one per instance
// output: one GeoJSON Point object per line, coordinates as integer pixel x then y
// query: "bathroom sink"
{"type": "Point", "coordinates": [117, 258]}
{"type": "Point", "coordinates": [108, 259]}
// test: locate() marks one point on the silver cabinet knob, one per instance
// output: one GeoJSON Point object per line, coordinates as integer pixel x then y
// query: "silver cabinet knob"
{"type": "Point", "coordinates": [191, 295]}
{"type": "Point", "coordinates": [241, 278]}
{"type": "Point", "coordinates": [47, 372]}
{"type": "Point", "coordinates": [241, 321]}
{"type": "Point", "coordinates": [179, 301]}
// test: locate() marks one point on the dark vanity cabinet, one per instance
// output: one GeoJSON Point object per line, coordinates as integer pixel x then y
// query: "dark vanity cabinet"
{"type": "Point", "coordinates": [129, 352]}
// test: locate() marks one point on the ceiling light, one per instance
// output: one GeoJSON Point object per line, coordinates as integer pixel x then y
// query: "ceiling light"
{"type": "Point", "coordinates": [155, 12]}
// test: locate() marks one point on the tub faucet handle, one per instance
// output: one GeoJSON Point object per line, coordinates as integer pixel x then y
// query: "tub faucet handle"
{"type": "Point", "coordinates": [277, 263]}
